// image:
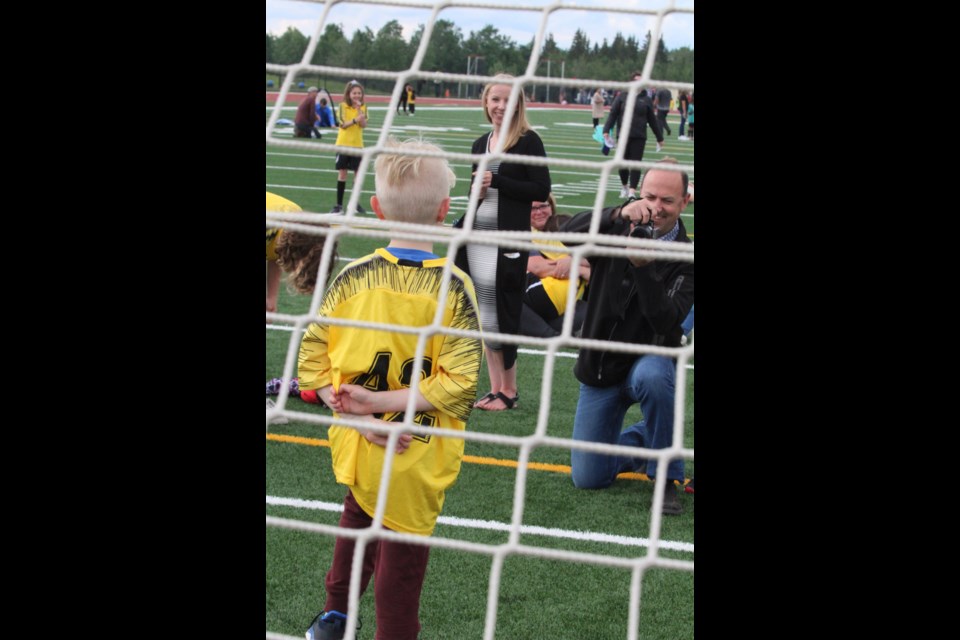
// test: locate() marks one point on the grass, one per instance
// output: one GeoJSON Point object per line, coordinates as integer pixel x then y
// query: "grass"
{"type": "Point", "coordinates": [538, 597]}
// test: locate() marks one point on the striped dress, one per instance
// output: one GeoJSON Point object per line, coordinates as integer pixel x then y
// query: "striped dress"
{"type": "Point", "coordinates": [483, 261]}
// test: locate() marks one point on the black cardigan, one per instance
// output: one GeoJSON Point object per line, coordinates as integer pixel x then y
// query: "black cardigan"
{"type": "Point", "coordinates": [518, 186]}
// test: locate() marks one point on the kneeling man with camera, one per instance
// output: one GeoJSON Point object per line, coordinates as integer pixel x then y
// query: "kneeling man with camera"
{"type": "Point", "coordinates": [639, 301]}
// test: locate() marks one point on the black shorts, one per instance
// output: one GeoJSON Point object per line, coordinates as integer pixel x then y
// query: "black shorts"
{"type": "Point", "coordinates": [348, 162]}
{"type": "Point", "coordinates": [538, 300]}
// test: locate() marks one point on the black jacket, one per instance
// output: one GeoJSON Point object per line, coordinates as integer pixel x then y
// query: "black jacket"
{"type": "Point", "coordinates": [644, 113]}
{"type": "Point", "coordinates": [518, 186]}
{"type": "Point", "coordinates": [638, 305]}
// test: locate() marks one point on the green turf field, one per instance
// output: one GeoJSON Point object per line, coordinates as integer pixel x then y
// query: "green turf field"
{"type": "Point", "coordinates": [537, 597]}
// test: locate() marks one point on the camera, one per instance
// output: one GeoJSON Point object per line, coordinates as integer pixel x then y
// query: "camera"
{"type": "Point", "coordinates": [645, 231]}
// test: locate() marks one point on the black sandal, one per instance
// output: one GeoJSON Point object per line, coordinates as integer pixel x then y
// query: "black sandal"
{"type": "Point", "coordinates": [509, 403]}
{"type": "Point", "coordinates": [489, 396]}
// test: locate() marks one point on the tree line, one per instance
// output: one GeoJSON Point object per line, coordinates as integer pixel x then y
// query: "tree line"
{"type": "Point", "coordinates": [492, 53]}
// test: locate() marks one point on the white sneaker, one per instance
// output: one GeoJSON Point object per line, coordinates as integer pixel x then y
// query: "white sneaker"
{"type": "Point", "coordinates": [623, 192]}
{"type": "Point", "coordinates": [684, 138]}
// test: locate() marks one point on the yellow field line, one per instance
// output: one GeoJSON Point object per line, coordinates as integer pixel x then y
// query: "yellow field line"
{"type": "Point", "coordinates": [496, 462]}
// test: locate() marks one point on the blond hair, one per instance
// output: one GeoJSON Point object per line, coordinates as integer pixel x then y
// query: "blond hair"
{"type": "Point", "coordinates": [412, 188]}
{"type": "Point", "coordinates": [519, 124]}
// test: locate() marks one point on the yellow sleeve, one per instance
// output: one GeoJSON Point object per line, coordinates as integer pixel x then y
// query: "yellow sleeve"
{"type": "Point", "coordinates": [453, 388]}
{"type": "Point", "coordinates": [313, 363]}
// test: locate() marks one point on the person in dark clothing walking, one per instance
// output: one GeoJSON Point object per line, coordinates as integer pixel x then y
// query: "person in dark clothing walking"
{"type": "Point", "coordinates": [643, 114]}
{"type": "Point", "coordinates": [663, 108]}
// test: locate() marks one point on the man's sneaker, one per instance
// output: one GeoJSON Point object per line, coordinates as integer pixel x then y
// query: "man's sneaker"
{"type": "Point", "coordinates": [671, 503]}
{"type": "Point", "coordinates": [331, 625]}
{"type": "Point", "coordinates": [623, 192]}
{"type": "Point", "coordinates": [336, 209]}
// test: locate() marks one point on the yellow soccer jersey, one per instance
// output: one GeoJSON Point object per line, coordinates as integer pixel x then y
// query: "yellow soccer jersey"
{"type": "Point", "coordinates": [352, 136]}
{"type": "Point", "coordinates": [276, 203]}
{"type": "Point", "coordinates": [383, 288]}
{"type": "Point", "coordinates": [556, 289]}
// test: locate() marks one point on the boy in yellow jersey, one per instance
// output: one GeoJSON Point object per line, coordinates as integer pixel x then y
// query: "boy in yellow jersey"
{"type": "Point", "coordinates": [367, 373]}
{"type": "Point", "coordinates": [353, 120]}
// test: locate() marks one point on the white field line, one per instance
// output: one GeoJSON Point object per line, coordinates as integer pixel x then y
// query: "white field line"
{"type": "Point", "coordinates": [534, 352]}
{"type": "Point", "coordinates": [492, 525]}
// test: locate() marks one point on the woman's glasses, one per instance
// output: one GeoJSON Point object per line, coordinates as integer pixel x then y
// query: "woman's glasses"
{"type": "Point", "coordinates": [540, 207]}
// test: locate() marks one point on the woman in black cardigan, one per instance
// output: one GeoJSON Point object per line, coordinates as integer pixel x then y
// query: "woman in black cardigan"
{"type": "Point", "coordinates": [507, 191]}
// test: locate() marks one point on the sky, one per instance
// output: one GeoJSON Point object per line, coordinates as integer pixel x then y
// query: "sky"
{"type": "Point", "coordinates": [521, 26]}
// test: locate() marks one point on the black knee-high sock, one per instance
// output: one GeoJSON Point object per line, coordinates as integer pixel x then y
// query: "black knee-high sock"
{"type": "Point", "coordinates": [341, 187]}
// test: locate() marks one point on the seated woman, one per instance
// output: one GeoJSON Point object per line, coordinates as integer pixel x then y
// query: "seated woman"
{"type": "Point", "coordinates": [548, 273]}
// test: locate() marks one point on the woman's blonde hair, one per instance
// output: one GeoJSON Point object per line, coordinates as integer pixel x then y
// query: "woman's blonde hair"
{"type": "Point", "coordinates": [519, 124]}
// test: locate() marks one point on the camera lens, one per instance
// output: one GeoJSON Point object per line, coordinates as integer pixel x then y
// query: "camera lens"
{"type": "Point", "coordinates": [645, 231]}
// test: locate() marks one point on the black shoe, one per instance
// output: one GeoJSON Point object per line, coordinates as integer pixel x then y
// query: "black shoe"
{"type": "Point", "coordinates": [361, 209]}
{"type": "Point", "coordinates": [671, 503]}
{"type": "Point", "coordinates": [330, 625]}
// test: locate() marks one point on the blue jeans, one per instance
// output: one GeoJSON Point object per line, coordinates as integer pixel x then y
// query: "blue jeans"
{"type": "Point", "coordinates": [600, 413]}
{"type": "Point", "coordinates": [687, 324]}
{"type": "Point", "coordinates": [683, 123]}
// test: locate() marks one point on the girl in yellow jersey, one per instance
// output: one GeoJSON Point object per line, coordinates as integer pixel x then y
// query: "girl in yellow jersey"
{"type": "Point", "coordinates": [275, 203]}
{"type": "Point", "coordinates": [294, 252]}
{"type": "Point", "coordinates": [353, 119]}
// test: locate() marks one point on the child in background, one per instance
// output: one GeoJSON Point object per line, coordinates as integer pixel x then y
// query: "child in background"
{"type": "Point", "coordinates": [326, 114]}
{"type": "Point", "coordinates": [353, 119]}
{"type": "Point", "coordinates": [411, 99]}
